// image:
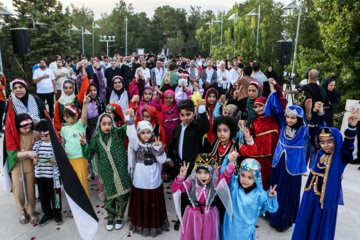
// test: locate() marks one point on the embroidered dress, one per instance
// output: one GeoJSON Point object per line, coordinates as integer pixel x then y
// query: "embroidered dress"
{"type": "Point", "coordinates": [111, 163]}
{"type": "Point", "coordinates": [323, 191]}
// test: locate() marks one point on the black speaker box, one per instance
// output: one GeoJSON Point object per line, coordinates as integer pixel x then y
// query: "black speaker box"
{"type": "Point", "coordinates": [20, 40]}
{"type": "Point", "coordinates": [111, 51]}
{"type": "Point", "coordinates": [283, 52]}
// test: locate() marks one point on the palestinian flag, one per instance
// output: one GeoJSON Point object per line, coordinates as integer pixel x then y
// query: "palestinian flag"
{"type": "Point", "coordinates": [80, 205]}
{"type": "Point", "coordinates": [11, 146]}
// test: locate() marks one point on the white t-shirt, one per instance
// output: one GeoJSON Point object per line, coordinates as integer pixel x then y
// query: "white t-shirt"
{"type": "Point", "coordinates": [260, 77]}
{"type": "Point", "coordinates": [234, 75]}
{"type": "Point", "coordinates": [60, 80]}
{"type": "Point", "coordinates": [53, 65]}
{"type": "Point", "coordinates": [146, 73]}
{"type": "Point", "coordinates": [224, 84]}
{"type": "Point", "coordinates": [45, 85]}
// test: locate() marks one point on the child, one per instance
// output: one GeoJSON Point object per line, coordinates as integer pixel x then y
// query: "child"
{"type": "Point", "coordinates": [187, 138]}
{"type": "Point", "coordinates": [116, 113]}
{"type": "Point", "coordinates": [170, 115]}
{"type": "Point", "coordinates": [24, 160]}
{"type": "Point", "coordinates": [138, 104]}
{"type": "Point", "coordinates": [249, 201]}
{"type": "Point", "coordinates": [71, 139]}
{"type": "Point", "coordinates": [95, 109]}
{"type": "Point", "coordinates": [322, 193]}
{"type": "Point", "coordinates": [111, 164]}
{"type": "Point", "coordinates": [147, 210]}
{"type": "Point", "coordinates": [201, 217]}
{"type": "Point", "coordinates": [182, 91]}
{"type": "Point", "coordinates": [68, 97]}
{"type": "Point", "coordinates": [211, 98]}
{"type": "Point", "coordinates": [48, 177]}
{"type": "Point", "coordinates": [289, 161]}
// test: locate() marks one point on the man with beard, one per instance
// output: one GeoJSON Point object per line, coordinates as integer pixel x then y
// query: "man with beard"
{"type": "Point", "coordinates": [128, 71]}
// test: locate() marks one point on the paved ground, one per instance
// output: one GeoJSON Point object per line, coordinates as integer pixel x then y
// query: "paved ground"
{"type": "Point", "coordinates": [348, 223]}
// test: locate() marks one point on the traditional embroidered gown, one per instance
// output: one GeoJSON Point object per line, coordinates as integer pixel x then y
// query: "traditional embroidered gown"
{"type": "Point", "coordinates": [323, 191]}
{"type": "Point", "coordinates": [111, 162]}
{"type": "Point", "coordinates": [247, 207]}
{"type": "Point", "coordinates": [288, 164]}
{"type": "Point", "coordinates": [170, 117]}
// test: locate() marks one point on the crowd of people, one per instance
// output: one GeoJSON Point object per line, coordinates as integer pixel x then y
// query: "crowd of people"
{"type": "Point", "coordinates": [221, 132]}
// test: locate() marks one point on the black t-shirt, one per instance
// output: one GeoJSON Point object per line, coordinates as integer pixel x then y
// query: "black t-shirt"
{"type": "Point", "coordinates": [314, 92]}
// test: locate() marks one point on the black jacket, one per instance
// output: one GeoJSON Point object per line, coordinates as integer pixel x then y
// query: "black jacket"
{"type": "Point", "coordinates": [192, 144]}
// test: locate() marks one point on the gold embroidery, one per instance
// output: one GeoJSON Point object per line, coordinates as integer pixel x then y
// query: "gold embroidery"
{"type": "Point", "coordinates": [267, 132]}
{"type": "Point", "coordinates": [290, 132]}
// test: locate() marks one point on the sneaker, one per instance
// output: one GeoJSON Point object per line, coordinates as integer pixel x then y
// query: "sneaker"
{"type": "Point", "coordinates": [44, 220]}
{"type": "Point", "coordinates": [59, 220]}
{"type": "Point", "coordinates": [177, 225]}
{"type": "Point", "coordinates": [118, 224]}
{"type": "Point", "coordinates": [110, 225]}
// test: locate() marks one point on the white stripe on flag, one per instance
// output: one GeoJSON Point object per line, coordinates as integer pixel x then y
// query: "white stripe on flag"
{"type": "Point", "coordinates": [86, 224]}
{"type": "Point", "coordinates": [6, 178]}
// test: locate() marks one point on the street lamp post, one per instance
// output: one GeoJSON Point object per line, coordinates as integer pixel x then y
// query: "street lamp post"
{"type": "Point", "coordinates": [93, 36]}
{"type": "Point", "coordinates": [253, 13]}
{"type": "Point", "coordinates": [211, 36]}
{"type": "Point", "coordinates": [220, 21]}
{"type": "Point", "coordinates": [234, 16]}
{"type": "Point", "coordinates": [86, 32]}
{"type": "Point", "coordinates": [293, 5]}
{"type": "Point", "coordinates": [126, 36]}
{"type": "Point", "coordinates": [107, 39]}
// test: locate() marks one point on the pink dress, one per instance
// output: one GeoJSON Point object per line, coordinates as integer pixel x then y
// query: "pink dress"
{"type": "Point", "coordinates": [200, 224]}
{"type": "Point", "coordinates": [170, 121]}
{"type": "Point", "coordinates": [143, 104]}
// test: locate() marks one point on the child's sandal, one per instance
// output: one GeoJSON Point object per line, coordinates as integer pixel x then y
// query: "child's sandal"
{"type": "Point", "coordinates": [34, 219]}
{"type": "Point", "coordinates": [24, 218]}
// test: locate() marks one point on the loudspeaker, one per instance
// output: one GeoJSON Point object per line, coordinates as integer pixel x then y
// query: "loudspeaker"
{"type": "Point", "coordinates": [111, 51]}
{"type": "Point", "coordinates": [20, 40]}
{"type": "Point", "coordinates": [194, 49]}
{"type": "Point", "coordinates": [283, 52]}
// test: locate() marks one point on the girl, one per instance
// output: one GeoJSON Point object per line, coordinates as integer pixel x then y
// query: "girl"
{"type": "Point", "coordinates": [116, 113]}
{"type": "Point", "coordinates": [24, 163]}
{"type": "Point", "coordinates": [138, 104]}
{"type": "Point", "coordinates": [182, 91]}
{"type": "Point", "coordinates": [170, 115]}
{"type": "Point", "coordinates": [71, 138]}
{"type": "Point", "coordinates": [68, 97]}
{"type": "Point", "coordinates": [147, 211]}
{"type": "Point", "coordinates": [95, 109]}
{"type": "Point", "coordinates": [225, 109]}
{"type": "Point", "coordinates": [265, 131]}
{"type": "Point", "coordinates": [201, 218]}
{"type": "Point", "coordinates": [322, 193]}
{"type": "Point", "coordinates": [119, 94]}
{"type": "Point", "coordinates": [289, 161]}
{"type": "Point", "coordinates": [111, 164]}
{"type": "Point", "coordinates": [211, 98]}
{"type": "Point", "coordinates": [249, 201]}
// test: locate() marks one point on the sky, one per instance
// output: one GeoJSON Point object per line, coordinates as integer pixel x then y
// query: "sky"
{"type": "Point", "coordinates": [147, 6]}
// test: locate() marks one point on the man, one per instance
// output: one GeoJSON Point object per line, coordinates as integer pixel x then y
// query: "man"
{"type": "Point", "coordinates": [53, 64]}
{"type": "Point", "coordinates": [90, 69]}
{"type": "Point", "coordinates": [150, 63]}
{"type": "Point", "coordinates": [61, 74]}
{"type": "Point", "coordinates": [208, 76]}
{"type": "Point", "coordinates": [157, 74]}
{"type": "Point", "coordinates": [223, 82]}
{"type": "Point", "coordinates": [45, 85]}
{"type": "Point", "coordinates": [313, 93]}
{"type": "Point", "coordinates": [128, 71]}
{"type": "Point", "coordinates": [112, 71]}
{"type": "Point", "coordinates": [243, 83]}
{"type": "Point", "coordinates": [234, 73]}
{"type": "Point", "coordinates": [257, 74]}
{"type": "Point", "coordinates": [194, 72]}
{"type": "Point", "coordinates": [105, 62]}
{"type": "Point", "coordinates": [145, 71]}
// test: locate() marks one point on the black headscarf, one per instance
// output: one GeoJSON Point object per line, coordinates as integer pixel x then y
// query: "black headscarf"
{"type": "Point", "coordinates": [271, 74]}
{"type": "Point", "coordinates": [118, 92]}
{"type": "Point", "coordinates": [25, 98]}
{"type": "Point", "coordinates": [333, 95]}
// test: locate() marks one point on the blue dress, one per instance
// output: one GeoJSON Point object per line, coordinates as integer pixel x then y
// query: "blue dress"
{"type": "Point", "coordinates": [288, 164]}
{"type": "Point", "coordinates": [318, 210]}
{"type": "Point", "coordinates": [246, 209]}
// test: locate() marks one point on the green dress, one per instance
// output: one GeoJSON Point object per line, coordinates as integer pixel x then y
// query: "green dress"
{"type": "Point", "coordinates": [111, 163]}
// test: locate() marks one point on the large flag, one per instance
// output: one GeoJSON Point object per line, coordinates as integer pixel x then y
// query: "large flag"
{"type": "Point", "coordinates": [80, 205]}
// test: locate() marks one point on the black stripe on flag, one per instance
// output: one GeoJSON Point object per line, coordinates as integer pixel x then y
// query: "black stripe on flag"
{"type": "Point", "coordinates": [83, 212]}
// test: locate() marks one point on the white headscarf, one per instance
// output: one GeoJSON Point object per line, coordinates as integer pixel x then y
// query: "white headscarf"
{"type": "Point", "coordinates": [142, 125]}
{"type": "Point", "coordinates": [64, 99]}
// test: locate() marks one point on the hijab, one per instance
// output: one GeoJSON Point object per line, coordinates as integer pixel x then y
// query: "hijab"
{"type": "Point", "coordinates": [250, 104]}
{"type": "Point", "coordinates": [65, 99]}
{"type": "Point", "coordinates": [334, 94]}
{"type": "Point", "coordinates": [118, 92]}
{"type": "Point", "coordinates": [165, 108]}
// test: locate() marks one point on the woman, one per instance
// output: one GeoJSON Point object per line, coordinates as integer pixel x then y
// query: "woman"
{"type": "Point", "coordinates": [269, 73]}
{"type": "Point", "coordinates": [246, 105]}
{"type": "Point", "coordinates": [119, 95]}
{"type": "Point", "coordinates": [174, 77]}
{"type": "Point", "coordinates": [334, 98]}
{"type": "Point", "coordinates": [21, 102]}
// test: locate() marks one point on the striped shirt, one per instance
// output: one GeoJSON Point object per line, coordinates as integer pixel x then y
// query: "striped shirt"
{"type": "Point", "coordinates": [45, 169]}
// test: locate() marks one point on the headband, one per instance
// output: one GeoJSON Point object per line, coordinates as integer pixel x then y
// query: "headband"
{"type": "Point", "coordinates": [26, 122]}
{"type": "Point", "coordinates": [19, 80]}
{"type": "Point", "coordinates": [72, 109]}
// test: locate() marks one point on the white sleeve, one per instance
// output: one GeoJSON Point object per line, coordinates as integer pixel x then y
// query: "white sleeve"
{"type": "Point", "coordinates": [36, 74]}
{"type": "Point", "coordinates": [131, 133]}
{"type": "Point", "coordinates": [162, 158]}
{"type": "Point", "coordinates": [52, 77]}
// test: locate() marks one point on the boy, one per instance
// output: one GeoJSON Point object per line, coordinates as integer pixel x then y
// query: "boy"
{"type": "Point", "coordinates": [187, 139]}
{"type": "Point", "coordinates": [47, 174]}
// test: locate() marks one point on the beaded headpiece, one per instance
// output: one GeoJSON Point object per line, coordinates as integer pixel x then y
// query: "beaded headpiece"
{"type": "Point", "coordinates": [205, 159]}
{"type": "Point", "coordinates": [252, 166]}
{"type": "Point", "coordinates": [294, 110]}
{"type": "Point", "coordinates": [325, 132]}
